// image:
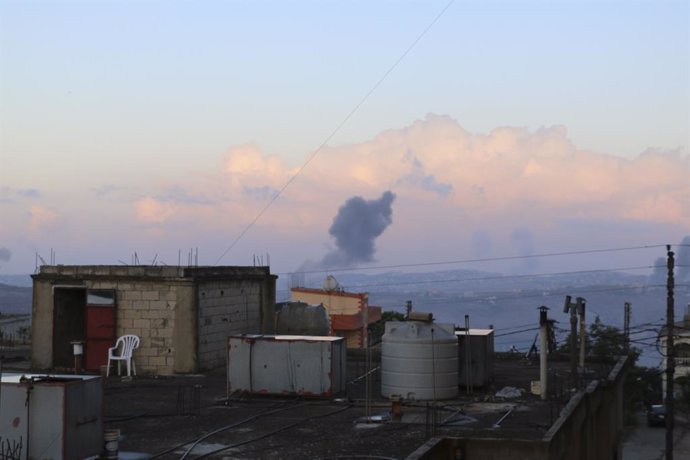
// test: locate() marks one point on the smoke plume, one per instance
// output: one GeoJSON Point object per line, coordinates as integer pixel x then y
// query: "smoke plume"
{"type": "Point", "coordinates": [355, 229]}
{"type": "Point", "coordinates": [5, 255]}
{"type": "Point", "coordinates": [683, 260]}
{"type": "Point", "coordinates": [682, 264]}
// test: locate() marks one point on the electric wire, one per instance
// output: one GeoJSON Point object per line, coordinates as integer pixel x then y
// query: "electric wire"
{"type": "Point", "coordinates": [233, 425]}
{"type": "Point", "coordinates": [488, 259]}
{"type": "Point", "coordinates": [266, 412]}
{"type": "Point", "coordinates": [334, 132]}
{"type": "Point", "coordinates": [271, 433]}
{"type": "Point", "coordinates": [496, 277]}
{"type": "Point", "coordinates": [463, 301]}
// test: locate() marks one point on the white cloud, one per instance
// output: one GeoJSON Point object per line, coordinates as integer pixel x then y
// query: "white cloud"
{"type": "Point", "coordinates": [41, 218]}
{"type": "Point", "coordinates": [509, 171]}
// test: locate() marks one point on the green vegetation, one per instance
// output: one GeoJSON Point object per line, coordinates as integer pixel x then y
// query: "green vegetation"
{"type": "Point", "coordinates": [642, 386]}
{"type": "Point", "coordinates": [377, 329]}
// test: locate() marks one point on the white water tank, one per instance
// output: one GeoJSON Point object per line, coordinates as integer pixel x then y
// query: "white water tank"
{"type": "Point", "coordinates": [419, 360]}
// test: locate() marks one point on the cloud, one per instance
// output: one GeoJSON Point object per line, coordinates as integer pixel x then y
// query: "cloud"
{"type": "Point", "coordinates": [449, 183]}
{"type": "Point", "coordinates": [260, 193]}
{"type": "Point", "coordinates": [5, 254]}
{"type": "Point", "coordinates": [417, 176]}
{"type": "Point", "coordinates": [9, 195]}
{"type": "Point", "coordinates": [153, 211]}
{"type": "Point", "coordinates": [41, 218]}
{"type": "Point", "coordinates": [481, 244]}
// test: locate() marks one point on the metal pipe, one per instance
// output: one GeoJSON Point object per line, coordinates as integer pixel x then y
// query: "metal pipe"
{"type": "Point", "coordinates": [498, 423]}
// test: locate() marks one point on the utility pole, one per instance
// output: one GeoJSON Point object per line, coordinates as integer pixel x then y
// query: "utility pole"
{"type": "Point", "coordinates": [580, 306]}
{"type": "Point", "coordinates": [570, 307]}
{"type": "Point", "coordinates": [626, 326]}
{"type": "Point", "coordinates": [468, 356]}
{"type": "Point", "coordinates": [544, 330]}
{"type": "Point", "coordinates": [670, 354]}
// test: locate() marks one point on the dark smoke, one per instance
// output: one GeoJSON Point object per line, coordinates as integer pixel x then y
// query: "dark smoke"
{"type": "Point", "coordinates": [523, 241]}
{"type": "Point", "coordinates": [355, 229]}
{"type": "Point", "coordinates": [683, 259]}
{"type": "Point", "coordinates": [5, 255]}
{"type": "Point", "coordinates": [659, 271]}
{"type": "Point", "coordinates": [681, 263]}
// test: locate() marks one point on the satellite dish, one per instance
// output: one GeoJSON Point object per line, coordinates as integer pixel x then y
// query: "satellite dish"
{"type": "Point", "coordinates": [331, 284]}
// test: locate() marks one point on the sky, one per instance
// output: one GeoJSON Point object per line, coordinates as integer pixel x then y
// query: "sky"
{"type": "Point", "coordinates": [241, 128]}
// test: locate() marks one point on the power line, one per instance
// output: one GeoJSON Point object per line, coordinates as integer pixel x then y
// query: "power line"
{"type": "Point", "coordinates": [517, 332]}
{"type": "Point", "coordinates": [489, 259]}
{"type": "Point", "coordinates": [335, 131]}
{"type": "Point", "coordinates": [493, 297]}
{"type": "Point", "coordinates": [497, 277]}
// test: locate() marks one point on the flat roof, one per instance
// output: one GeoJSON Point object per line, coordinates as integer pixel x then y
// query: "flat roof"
{"type": "Point", "coordinates": [475, 331]}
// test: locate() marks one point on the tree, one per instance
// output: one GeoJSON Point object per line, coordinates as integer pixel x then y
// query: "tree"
{"type": "Point", "coordinates": [603, 342]}
{"type": "Point", "coordinates": [377, 329]}
{"type": "Point", "coordinates": [608, 342]}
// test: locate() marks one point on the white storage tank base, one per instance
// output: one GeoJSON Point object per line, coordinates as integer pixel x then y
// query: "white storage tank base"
{"type": "Point", "coordinates": [419, 360]}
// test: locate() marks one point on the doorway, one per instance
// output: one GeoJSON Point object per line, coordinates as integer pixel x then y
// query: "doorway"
{"type": "Point", "coordinates": [87, 316]}
{"type": "Point", "coordinates": [69, 323]}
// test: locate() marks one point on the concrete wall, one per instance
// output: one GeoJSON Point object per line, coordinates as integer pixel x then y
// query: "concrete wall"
{"type": "Point", "coordinates": [160, 310]}
{"type": "Point", "coordinates": [42, 325]}
{"type": "Point", "coordinates": [591, 424]}
{"type": "Point", "coordinates": [590, 427]}
{"type": "Point", "coordinates": [155, 311]}
{"type": "Point", "coordinates": [226, 307]}
{"type": "Point", "coordinates": [484, 449]}
{"type": "Point", "coordinates": [336, 303]}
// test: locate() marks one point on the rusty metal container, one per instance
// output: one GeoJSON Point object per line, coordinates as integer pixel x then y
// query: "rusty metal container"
{"type": "Point", "coordinates": [54, 416]}
{"type": "Point", "coordinates": [287, 364]}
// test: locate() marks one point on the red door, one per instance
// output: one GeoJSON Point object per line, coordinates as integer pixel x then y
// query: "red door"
{"type": "Point", "coordinates": [100, 327]}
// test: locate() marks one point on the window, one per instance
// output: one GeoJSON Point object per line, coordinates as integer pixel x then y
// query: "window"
{"type": "Point", "coordinates": [100, 297]}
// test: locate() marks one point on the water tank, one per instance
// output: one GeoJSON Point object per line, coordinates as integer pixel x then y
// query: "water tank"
{"type": "Point", "coordinates": [419, 360]}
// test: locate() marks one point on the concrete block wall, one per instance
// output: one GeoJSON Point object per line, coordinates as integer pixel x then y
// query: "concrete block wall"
{"type": "Point", "coordinates": [149, 301]}
{"type": "Point", "coordinates": [226, 307]}
{"type": "Point", "coordinates": [167, 307]}
{"type": "Point", "coordinates": [146, 309]}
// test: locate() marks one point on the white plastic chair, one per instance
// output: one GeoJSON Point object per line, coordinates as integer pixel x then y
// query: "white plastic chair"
{"type": "Point", "coordinates": [129, 344]}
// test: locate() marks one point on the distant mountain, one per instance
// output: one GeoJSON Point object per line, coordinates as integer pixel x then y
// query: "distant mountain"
{"type": "Point", "coordinates": [510, 302]}
{"type": "Point", "coordinates": [15, 299]}
{"type": "Point", "coordinates": [16, 280]}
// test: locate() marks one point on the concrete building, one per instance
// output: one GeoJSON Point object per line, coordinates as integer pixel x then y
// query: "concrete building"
{"type": "Point", "coordinates": [349, 313]}
{"type": "Point", "coordinates": [681, 343]}
{"type": "Point", "coordinates": [183, 315]}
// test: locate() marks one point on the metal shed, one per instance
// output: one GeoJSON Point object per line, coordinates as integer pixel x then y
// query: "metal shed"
{"type": "Point", "coordinates": [475, 357]}
{"type": "Point", "coordinates": [287, 364]}
{"type": "Point", "coordinates": [51, 416]}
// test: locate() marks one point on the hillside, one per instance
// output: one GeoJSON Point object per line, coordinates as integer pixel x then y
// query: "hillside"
{"type": "Point", "coordinates": [15, 299]}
